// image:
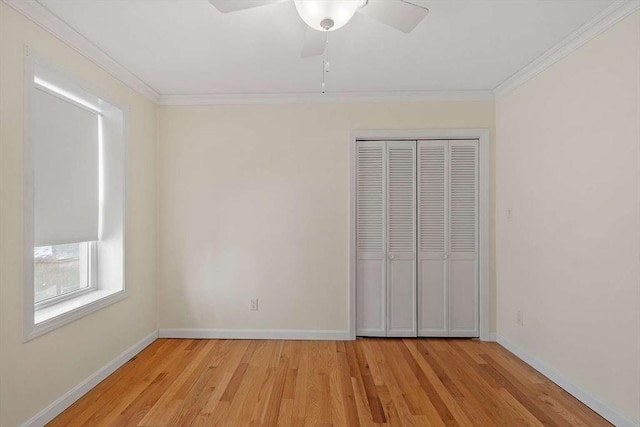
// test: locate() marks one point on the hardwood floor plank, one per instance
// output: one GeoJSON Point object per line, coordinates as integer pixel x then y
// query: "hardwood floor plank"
{"type": "Point", "coordinates": [470, 397]}
{"type": "Point", "coordinates": [134, 401]}
{"type": "Point", "coordinates": [389, 408]}
{"type": "Point", "coordinates": [508, 413]}
{"type": "Point", "coordinates": [225, 368]}
{"type": "Point", "coordinates": [414, 396]}
{"type": "Point", "coordinates": [436, 386]}
{"type": "Point", "coordinates": [489, 383]}
{"type": "Point", "coordinates": [255, 386]}
{"type": "Point", "coordinates": [367, 382]}
{"type": "Point", "coordinates": [395, 390]}
{"type": "Point", "coordinates": [572, 418]}
{"type": "Point", "coordinates": [375, 405]}
{"type": "Point", "coordinates": [523, 417]}
{"type": "Point", "coordinates": [373, 358]}
{"type": "Point", "coordinates": [344, 383]}
{"type": "Point", "coordinates": [302, 383]}
{"type": "Point", "coordinates": [272, 413]}
{"type": "Point", "coordinates": [362, 404]}
{"type": "Point", "coordinates": [518, 390]}
{"type": "Point", "coordinates": [234, 384]}
{"type": "Point", "coordinates": [182, 390]}
{"type": "Point", "coordinates": [116, 391]}
{"type": "Point", "coordinates": [285, 415]}
{"type": "Point", "coordinates": [292, 371]}
{"type": "Point", "coordinates": [543, 388]}
{"type": "Point", "coordinates": [440, 372]}
{"type": "Point", "coordinates": [432, 395]}
{"type": "Point", "coordinates": [512, 364]}
{"type": "Point", "coordinates": [162, 382]}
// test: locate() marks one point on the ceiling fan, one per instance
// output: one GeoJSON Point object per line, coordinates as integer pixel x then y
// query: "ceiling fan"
{"type": "Point", "coordinates": [323, 16]}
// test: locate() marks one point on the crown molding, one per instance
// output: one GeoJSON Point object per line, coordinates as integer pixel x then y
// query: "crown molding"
{"type": "Point", "coordinates": [326, 98]}
{"type": "Point", "coordinates": [590, 30]}
{"type": "Point", "coordinates": [42, 16]}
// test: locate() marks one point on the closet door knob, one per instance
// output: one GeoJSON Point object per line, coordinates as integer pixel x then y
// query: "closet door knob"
{"type": "Point", "coordinates": [444, 256]}
{"type": "Point", "coordinates": [392, 256]}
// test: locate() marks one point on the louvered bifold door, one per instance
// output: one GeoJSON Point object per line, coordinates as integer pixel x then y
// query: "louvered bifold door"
{"type": "Point", "coordinates": [463, 239]}
{"type": "Point", "coordinates": [433, 242]}
{"type": "Point", "coordinates": [401, 239]}
{"type": "Point", "coordinates": [370, 238]}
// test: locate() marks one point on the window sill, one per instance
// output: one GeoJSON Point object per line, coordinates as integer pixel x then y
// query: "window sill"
{"type": "Point", "coordinates": [54, 316]}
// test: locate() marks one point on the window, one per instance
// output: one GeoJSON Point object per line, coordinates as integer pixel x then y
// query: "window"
{"type": "Point", "coordinates": [62, 271]}
{"type": "Point", "coordinates": [74, 210]}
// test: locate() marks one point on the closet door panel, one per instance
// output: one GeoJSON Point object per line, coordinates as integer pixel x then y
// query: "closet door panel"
{"type": "Point", "coordinates": [401, 297]}
{"type": "Point", "coordinates": [433, 297]}
{"type": "Point", "coordinates": [371, 289]}
{"type": "Point", "coordinates": [463, 296]}
{"type": "Point", "coordinates": [401, 238]}
{"type": "Point", "coordinates": [432, 238]}
{"type": "Point", "coordinates": [371, 304]}
{"type": "Point", "coordinates": [463, 241]}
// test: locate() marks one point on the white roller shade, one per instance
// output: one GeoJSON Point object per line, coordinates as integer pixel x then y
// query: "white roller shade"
{"type": "Point", "coordinates": [65, 153]}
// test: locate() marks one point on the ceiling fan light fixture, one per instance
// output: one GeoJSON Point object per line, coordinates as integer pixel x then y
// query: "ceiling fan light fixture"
{"type": "Point", "coordinates": [316, 12]}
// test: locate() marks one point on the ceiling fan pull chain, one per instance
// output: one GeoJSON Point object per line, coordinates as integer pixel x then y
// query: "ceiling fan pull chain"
{"type": "Point", "coordinates": [325, 59]}
{"type": "Point", "coordinates": [326, 50]}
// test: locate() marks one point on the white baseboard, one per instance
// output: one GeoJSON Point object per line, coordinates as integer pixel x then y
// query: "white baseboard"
{"type": "Point", "coordinates": [493, 337]}
{"type": "Point", "coordinates": [67, 399]}
{"type": "Point", "coordinates": [582, 395]}
{"type": "Point", "coordinates": [256, 334]}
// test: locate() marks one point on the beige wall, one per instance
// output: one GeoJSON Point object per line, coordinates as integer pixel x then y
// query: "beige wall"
{"type": "Point", "coordinates": [34, 374]}
{"type": "Point", "coordinates": [568, 165]}
{"type": "Point", "coordinates": [254, 204]}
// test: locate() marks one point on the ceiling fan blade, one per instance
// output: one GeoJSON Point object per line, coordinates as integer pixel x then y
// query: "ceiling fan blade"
{"type": "Point", "coordinates": [399, 14]}
{"type": "Point", "coordinates": [226, 6]}
{"type": "Point", "coordinates": [313, 43]}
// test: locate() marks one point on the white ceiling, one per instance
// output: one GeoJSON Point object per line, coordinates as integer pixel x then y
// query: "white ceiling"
{"type": "Point", "coordinates": [188, 47]}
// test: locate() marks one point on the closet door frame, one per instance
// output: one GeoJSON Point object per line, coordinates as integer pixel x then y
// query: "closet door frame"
{"type": "Point", "coordinates": [483, 137]}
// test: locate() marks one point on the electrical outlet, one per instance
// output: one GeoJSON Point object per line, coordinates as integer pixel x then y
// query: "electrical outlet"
{"type": "Point", "coordinates": [509, 215]}
{"type": "Point", "coordinates": [519, 318]}
{"type": "Point", "coordinates": [254, 304]}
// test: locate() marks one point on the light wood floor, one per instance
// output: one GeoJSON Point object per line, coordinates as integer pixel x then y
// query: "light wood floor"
{"type": "Point", "coordinates": [412, 382]}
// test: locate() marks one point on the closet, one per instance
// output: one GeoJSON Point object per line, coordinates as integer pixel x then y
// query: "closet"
{"type": "Point", "coordinates": [417, 238]}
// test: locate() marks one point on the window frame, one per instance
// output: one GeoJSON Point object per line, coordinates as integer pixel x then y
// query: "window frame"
{"type": "Point", "coordinates": [108, 284]}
